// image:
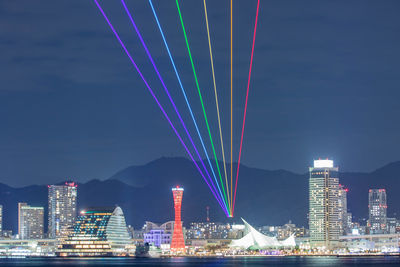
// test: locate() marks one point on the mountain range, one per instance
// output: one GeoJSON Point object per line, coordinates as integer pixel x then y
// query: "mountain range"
{"type": "Point", "coordinates": [264, 197]}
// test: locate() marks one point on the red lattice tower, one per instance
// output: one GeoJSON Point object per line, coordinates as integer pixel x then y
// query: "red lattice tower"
{"type": "Point", "coordinates": [177, 243]}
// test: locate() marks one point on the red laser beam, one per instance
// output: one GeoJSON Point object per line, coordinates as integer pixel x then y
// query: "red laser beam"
{"type": "Point", "coordinates": [245, 105]}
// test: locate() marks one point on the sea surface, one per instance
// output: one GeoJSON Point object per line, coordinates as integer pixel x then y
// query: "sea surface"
{"type": "Point", "coordinates": [242, 261]}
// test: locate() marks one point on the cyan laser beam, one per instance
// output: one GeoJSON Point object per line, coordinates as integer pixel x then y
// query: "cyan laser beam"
{"type": "Point", "coordinates": [157, 101]}
{"type": "Point", "coordinates": [184, 95]}
{"type": "Point", "coordinates": [168, 93]}
{"type": "Point", "coordinates": [200, 96]}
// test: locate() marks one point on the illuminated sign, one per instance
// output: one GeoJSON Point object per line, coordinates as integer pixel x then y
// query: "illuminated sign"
{"type": "Point", "coordinates": [323, 163]}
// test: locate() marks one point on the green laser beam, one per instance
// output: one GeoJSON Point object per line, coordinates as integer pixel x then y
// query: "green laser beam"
{"type": "Point", "coordinates": [201, 100]}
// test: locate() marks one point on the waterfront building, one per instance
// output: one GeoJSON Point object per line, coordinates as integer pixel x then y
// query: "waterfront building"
{"type": "Point", "coordinates": [323, 205]}
{"type": "Point", "coordinates": [255, 240]}
{"type": "Point", "coordinates": [62, 208]}
{"type": "Point", "coordinates": [237, 231]}
{"type": "Point", "coordinates": [157, 238]}
{"type": "Point", "coordinates": [392, 224]}
{"type": "Point", "coordinates": [158, 235]}
{"type": "Point", "coordinates": [30, 221]}
{"type": "Point", "coordinates": [98, 232]}
{"type": "Point", "coordinates": [208, 230]}
{"type": "Point", "coordinates": [377, 211]}
{"type": "Point", "coordinates": [289, 229]}
{"type": "Point", "coordinates": [373, 242]}
{"type": "Point", "coordinates": [344, 220]}
{"type": "Point", "coordinates": [177, 242]}
{"type": "Point", "coordinates": [285, 231]}
{"type": "Point", "coordinates": [17, 248]}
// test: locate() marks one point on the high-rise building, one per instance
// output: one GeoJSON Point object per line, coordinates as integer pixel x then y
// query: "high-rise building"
{"type": "Point", "coordinates": [98, 232]}
{"type": "Point", "coordinates": [1, 220]}
{"type": "Point", "coordinates": [323, 204]}
{"type": "Point", "coordinates": [20, 205]}
{"type": "Point", "coordinates": [178, 242]}
{"type": "Point", "coordinates": [377, 211]}
{"type": "Point", "coordinates": [30, 221]}
{"type": "Point", "coordinates": [62, 208]}
{"type": "Point", "coordinates": [343, 213]}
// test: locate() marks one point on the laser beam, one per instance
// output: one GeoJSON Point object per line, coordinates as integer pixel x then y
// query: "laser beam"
{"type": "Point", "coordinates": [245, 105]}
{"type": "Point", "coordinates": [167, 92]}
{"type": "Point", "coordinates": [157, 101]}
{"type": "Point", "coordinates": [231, 16]}
{"type": "Point", "coordinates": [216, 103]}
{"type": "Point", "coordinates": [184, 93]}
{"type": "Point", "coordinates": [200, 96]}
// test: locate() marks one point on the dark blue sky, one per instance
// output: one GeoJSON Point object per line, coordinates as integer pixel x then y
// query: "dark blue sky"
{"type": "Point", "coordinates": [326, 83]}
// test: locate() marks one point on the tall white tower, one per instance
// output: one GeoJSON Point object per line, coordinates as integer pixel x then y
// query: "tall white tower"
{"type": "Point", "coordinates": [323, 205]}
{"type": "Point", "coordinates": [62, 208]}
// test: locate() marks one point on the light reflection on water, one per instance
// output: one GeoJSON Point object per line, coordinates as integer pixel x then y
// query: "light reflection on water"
{"type": "Point", "coordinates": [239, 261]}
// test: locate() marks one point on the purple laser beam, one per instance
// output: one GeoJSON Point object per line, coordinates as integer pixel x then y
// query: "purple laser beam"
{"type": "Point", "coordinates": [168, 93]}
{"type": "Point", "coordinates": [155, 98]}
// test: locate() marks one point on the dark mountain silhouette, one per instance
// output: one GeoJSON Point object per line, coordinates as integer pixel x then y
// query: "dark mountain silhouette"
{"type": "Point", "coordinates": [263, 198]}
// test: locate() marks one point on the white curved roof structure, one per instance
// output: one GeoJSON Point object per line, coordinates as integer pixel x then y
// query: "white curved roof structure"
{"type": "Point", "coordinates": [256, 240]}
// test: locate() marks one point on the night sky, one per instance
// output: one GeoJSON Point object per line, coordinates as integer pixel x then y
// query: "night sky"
{"type": "Point", "coordinates": [326, 80]}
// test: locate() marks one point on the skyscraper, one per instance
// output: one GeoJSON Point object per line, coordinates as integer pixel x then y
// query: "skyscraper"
{"type": "Point", "coordinates": [323, 204]}
{"type": "Point", "coordinates": [20, 205]}
{"type": "Point", "coordinates": [62, 208]}
{"type": "Point", "coordinates": [343, 214]}
{"type": "Point", "coordinates": [377, 211]}
{"type": "Point", "coordinates": [30, 221]}
{"type": "Point", "coordinates": [177, 243]}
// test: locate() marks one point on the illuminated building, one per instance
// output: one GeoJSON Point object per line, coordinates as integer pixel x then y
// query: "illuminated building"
{"type": "Point", "coordinates": [344, 216]}
{"type": "Point", "coordinates": [20, 205]}
{"type": "Point", "coordinates": [237, 231]}
{"type": "Point", "coordinates": [386, 243]}
{"type": "Point", "coordinates": [158, 235]}
{"type": "Point", "coordinates": [377, 211]}
{"type": "Point", "coordinates": [323, 205]}
{"type": "Point", "coordinates": [62, 208]}
{"type": "Point", "coordinates": [30, 221]}
{"type": "Point", "coordinates": [392, 224]}
{"type": "Point", "coordinates": [289, 229]}
{"type": "Point", "coordinates": [254, 240]}
{"type": "Point", "coordinates": [208, 230]}
{"type": "Point", "coordinates": [18, 248]}
{"type": "Point", "coordinates": [178, 242]}
{"type": "Point", "coordinates": [98, 232]}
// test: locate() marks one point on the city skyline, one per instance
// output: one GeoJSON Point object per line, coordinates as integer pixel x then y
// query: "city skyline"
{"type": "Point", "coordinates": [62, 143]}
{"type": "Point", "coordinates": [64, 197]}
{"type": "Point", "coordinates": [237, 131]}
{"type": "Point", "coordinates": [357, 210]}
